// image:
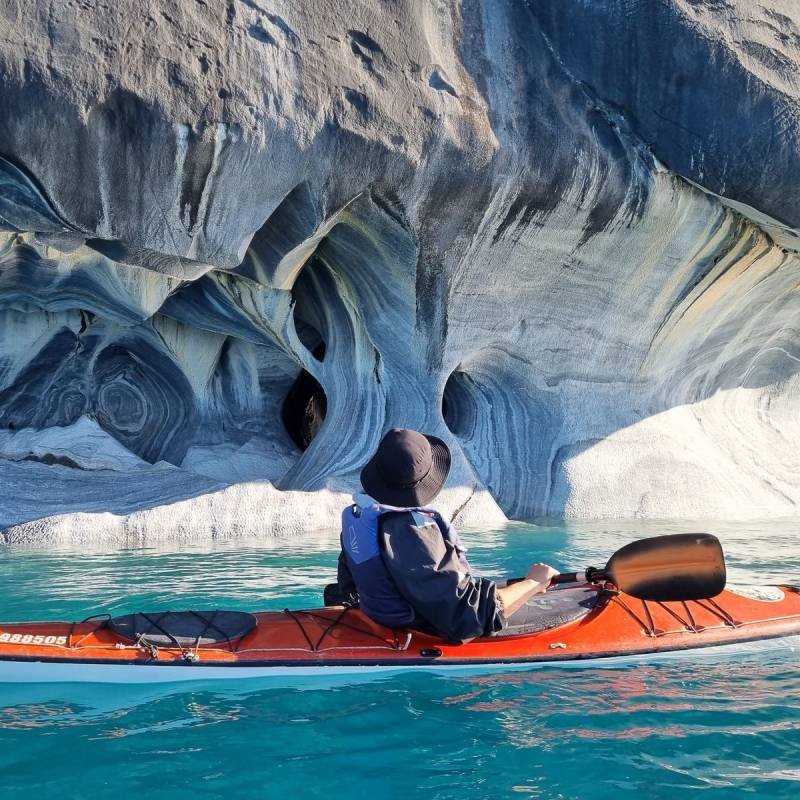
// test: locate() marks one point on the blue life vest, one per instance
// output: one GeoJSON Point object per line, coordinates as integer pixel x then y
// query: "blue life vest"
{"type": "Point", "coordinates": [378, 597]}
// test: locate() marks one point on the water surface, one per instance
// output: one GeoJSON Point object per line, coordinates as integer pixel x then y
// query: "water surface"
{"type": "Point", "coordinates": [723, 728]}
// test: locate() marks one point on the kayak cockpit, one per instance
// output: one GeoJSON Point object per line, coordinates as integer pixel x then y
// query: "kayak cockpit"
{"type": "Point", "coordinates": [552, 609]}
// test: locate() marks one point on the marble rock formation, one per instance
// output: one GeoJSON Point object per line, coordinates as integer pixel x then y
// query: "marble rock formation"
{"type": "Point", "coordinates": [239, 240]}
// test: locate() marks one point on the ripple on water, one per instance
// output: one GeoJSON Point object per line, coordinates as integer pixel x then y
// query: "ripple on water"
{"type": "Point", "coordinates": [726, 728]}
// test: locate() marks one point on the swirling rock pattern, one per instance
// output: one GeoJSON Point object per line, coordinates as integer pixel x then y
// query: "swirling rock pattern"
{"type": "Point", "coordinates": [560, 234]}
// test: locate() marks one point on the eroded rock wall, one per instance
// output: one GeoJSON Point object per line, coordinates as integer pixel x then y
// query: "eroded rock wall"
{"type": "Point", "coordinates": [560, 235]}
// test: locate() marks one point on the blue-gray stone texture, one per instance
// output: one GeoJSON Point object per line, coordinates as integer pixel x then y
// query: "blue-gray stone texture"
{"type": "Point", "coordinates": [560, 234]}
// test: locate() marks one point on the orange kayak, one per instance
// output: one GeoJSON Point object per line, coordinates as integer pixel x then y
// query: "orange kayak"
{"type": "Point", "coordinates": [579, 626]}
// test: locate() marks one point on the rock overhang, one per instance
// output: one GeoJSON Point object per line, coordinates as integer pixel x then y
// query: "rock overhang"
{"type": "Point", "coordinates": [473, 213]}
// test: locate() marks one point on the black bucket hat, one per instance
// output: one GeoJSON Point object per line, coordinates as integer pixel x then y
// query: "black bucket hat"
{"type": "Point", "coordinates": [408, 469]}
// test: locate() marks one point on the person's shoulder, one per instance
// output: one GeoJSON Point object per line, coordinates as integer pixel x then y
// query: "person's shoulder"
{"type": "Point", "coordinates": [403, 520]}
{"type": "Point", "coordinates": [396, 520]}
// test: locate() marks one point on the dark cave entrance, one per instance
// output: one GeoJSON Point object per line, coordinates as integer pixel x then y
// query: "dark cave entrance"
{"type": "Point", "coordinates": [459, 408]}
{"type": "Point", "coordinates": [305, 405]}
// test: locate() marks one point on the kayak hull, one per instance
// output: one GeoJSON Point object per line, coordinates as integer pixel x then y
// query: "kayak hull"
{"type": "Point", "coordinates": [132, 674]}
{"type": "Point", "coordinates": [344, 644]}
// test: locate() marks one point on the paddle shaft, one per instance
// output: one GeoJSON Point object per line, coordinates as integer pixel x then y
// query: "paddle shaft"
{"type": "Point", "coordinates": [569, 577]}
{"type": "Point", "coordinates": [591, 574]}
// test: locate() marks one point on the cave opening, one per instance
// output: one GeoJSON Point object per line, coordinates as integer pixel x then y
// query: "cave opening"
{"type": "Point", "coordinates": [459, 408]}
{"type": "Point", "coordinates": [305, 405]}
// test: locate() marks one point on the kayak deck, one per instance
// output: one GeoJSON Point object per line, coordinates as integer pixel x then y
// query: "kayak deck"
{"type": "Point", "coordinates": [337, 640]}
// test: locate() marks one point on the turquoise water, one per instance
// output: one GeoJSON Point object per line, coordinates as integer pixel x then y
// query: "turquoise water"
{"type": "Point", "coordinates": [719, 728]}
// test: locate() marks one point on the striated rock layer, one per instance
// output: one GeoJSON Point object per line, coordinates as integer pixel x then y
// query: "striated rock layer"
{"type": "Point", "coordinates": [239, 240]}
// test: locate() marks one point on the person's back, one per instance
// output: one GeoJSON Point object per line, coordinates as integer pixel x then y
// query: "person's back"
{"type": "Point", "coordinates": [403, 563]}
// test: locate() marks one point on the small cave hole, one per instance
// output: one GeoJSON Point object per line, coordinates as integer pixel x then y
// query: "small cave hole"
{"type": "Point", "coordinates": [304, 407]}
{"type": "Point", "coordinates": [459, 408]}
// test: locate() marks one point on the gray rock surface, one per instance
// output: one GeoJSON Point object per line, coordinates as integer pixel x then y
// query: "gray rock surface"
{"type": "Point", "coordinates": [560, 234]}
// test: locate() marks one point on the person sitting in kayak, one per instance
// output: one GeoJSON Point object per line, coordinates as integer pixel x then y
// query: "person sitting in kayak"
{"type": "Point", "coordinates": [402, 563]}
